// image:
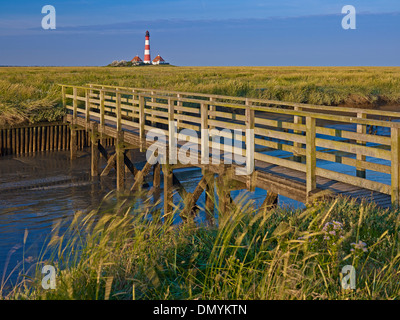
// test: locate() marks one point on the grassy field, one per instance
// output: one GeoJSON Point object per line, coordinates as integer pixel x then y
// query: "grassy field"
{"type": "Point", "coordinates": [31, 94]}
{"type": "Point", "coordinates": [122, 253]}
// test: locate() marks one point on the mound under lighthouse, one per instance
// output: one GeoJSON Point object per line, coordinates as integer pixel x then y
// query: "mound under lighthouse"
{"type": "Point", "coordinates": [147, 58]}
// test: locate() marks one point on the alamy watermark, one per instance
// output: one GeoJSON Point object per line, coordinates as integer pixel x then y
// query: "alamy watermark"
{"type": "Point", "coordinates": [349, 21]}
{"type": "Point", "coordinates": [49, 280]}
{"type": "Point", "coordinates": [49, 20]}
{"type": "Point", "coordinates": [349, 277]}
{"type": "Point", "coordinates": [165, 149]}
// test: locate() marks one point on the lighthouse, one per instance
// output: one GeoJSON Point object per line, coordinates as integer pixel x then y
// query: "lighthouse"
{"type": "Point", "coordinates": [147, 59]}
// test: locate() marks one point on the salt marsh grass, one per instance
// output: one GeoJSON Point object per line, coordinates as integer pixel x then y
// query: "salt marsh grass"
{"type": "Point", "coordinates": [31, 94]}
{"type": "Point", "coordinates": [128, 253]}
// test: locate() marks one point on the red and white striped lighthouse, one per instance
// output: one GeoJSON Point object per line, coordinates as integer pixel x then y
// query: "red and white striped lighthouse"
{"type": "Point", "coordinates": [147, 49]}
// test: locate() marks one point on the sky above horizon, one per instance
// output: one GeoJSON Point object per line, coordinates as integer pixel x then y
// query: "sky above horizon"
{"type": "Point", "coordinates": [201, 33]}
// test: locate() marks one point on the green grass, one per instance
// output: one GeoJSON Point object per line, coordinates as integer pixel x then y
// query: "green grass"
{"type": "Point", "coordinates": [31, 94]}
{"type": "Point", "coordinates": [119, 253]}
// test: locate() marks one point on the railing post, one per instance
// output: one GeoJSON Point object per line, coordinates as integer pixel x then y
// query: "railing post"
{"type": "Point", "coordinates": [213, 108]}
{"type": "Point", "coordinates": [179, 104]}
{"type": "Point", "coordinates": [152, 100]}
{"type": "Point", "coordinates": [133, 104]}
{"type": "Point", "coordinates": [87, 108]}
{"type": "Point", "coordinates": [172, 145]}
{"type": "Point", "coordinates": [311, 161]}
{"type": "Point", "coordinates": [74, 105]}
{"type": "Point", "coordinates": [250, 144]}
{"type": "Point", "coordinates": [142, 120]}
{"type": "Point", "coordinates": [118, 111]}
{"type": "Point", "coordinates": [205, 140]}
{"type": "Point", "coordinates": [395, 148]}
{"type": "Point", "coordinates": [297, 120]}
{"type": "Point", "coordinates": [102, 123]}
{"type": "Point", "coordinates": [361, 129]}
{"type": "Point", "coordinates": [64, 100]}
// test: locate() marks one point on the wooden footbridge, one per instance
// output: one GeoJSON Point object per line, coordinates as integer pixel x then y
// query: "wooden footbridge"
{"type": "Point", "coordinates": [279, 143]}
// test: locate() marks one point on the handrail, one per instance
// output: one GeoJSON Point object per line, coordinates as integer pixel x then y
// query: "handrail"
{"type": "Point", "coordinates": [321, 116]}
{"type": "Point", "coordinates": [268, 101]}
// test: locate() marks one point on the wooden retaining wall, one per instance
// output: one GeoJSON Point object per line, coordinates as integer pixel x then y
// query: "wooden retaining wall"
{"type": "Point", "coordinates": [42, 137]}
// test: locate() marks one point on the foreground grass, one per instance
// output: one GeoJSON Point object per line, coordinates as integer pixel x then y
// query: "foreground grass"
{"type": "Point", "coordinates": [31, 94]}
{"type": "Point", "coordinates": [126, 253]}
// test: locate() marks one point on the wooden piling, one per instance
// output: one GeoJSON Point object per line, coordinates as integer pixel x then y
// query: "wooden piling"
{"type": "Point", "coordinates": [210, 197]}
{"type": "Point", "coordinates": [95, 156]}
{"type": "Point", "coordinates": [168, 189]}
{"type": "Point", "coordinates": [73, 143]}
{"type": "Point", "coordinates": [156, 181]}
{"type": "Point", "coordinates": [119, 150]}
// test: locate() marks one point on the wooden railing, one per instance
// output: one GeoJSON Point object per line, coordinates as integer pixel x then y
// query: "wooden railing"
{"type": "Point", "coordinates": [306, 132]}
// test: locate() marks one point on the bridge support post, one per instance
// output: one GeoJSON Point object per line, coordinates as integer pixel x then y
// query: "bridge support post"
{"type": "Point", "coordinates": [223, 192]}
{"type": "Point", "coordinates": [73, 143]}
{"type": "Point", "coordinates": [168, 188]}
{"type": "Point", "coordinates": [270, 202]}
{"type": "Point", "coordinates": [210, 196]}
{"type": "Point", "coordinates": [95, 154]}
{"type": "Point", "coordinates": [156, 181]}
{"type": "Point", "coordinates": [120, 164]}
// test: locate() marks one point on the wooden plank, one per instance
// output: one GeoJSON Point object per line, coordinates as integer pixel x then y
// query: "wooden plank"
{"type": "Point", "coordinates": [359, 182]}
{"type": "Point", "coordinates": [352, 148]}
{"type": "Point", "coordinates": [280, 135]}
{"type": "Point", "coordinates": [280, 162]}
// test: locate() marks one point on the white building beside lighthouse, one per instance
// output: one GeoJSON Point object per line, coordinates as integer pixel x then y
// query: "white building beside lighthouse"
{"type": "Point", "coordinates": [159, 60]}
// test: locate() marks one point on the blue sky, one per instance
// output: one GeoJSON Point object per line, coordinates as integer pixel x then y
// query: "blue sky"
{"type": "Point", "coordinates": [202, 32]}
